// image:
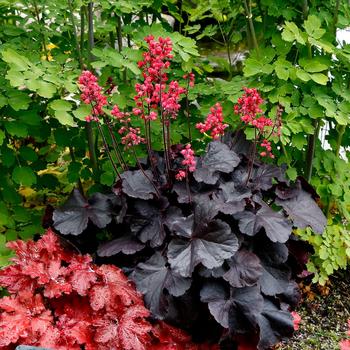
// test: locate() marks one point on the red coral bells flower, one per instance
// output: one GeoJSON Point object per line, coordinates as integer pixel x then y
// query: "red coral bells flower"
{"type": "Point", "coordinates": [248, 106]}
{"type": "Point", "coordinates": [92, 95]}
{"type": "Point", "coordinates": [190, 77]}
{"type": "Point", "coordinates": [189, 162]}
{"type": "Point", "coordinates": [214, 122]}
{"type": "Point", "coordinates": [42, 310]}
{"type": "Point", "coordinates": [296, 320]}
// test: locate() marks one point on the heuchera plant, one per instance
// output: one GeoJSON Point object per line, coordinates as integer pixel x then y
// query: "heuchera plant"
{"type": "Point", "coordinates": [61, 300]}
{"type": "Point", "coordinates": [209, 254]}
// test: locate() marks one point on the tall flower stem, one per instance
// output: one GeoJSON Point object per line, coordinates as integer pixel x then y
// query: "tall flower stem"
{"type": "Point", "coordinates": [143, 171]}
{"type": "Point", "coordinates": [116, 148]}
{"type": "Point", "coordinates": [252, 157]}
{"type": "Point", "coordinates": [72, 155]}
{"type": "Point", "coordinates": [36, 11]}
{"type": "Point", "coordinates": [75, 32]}
{"type": "Point", "coordinates": [249, 16]}
{"type": "Point", "coordinates": [107, 150]}
{"type": "Point", "coordinates": [188, 187]}
{"type": "Point", "coordinates": [88, 127]}
{"type": "Point", "coordinates": [188, 111]}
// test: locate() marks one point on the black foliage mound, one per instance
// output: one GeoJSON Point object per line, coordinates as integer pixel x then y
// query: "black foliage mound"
{"type": "Point", "coordinates": [213, 259]}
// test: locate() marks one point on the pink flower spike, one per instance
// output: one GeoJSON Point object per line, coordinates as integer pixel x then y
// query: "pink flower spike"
{"type": "Point", "coordinates": [189, 160]}
{"type": "Point", "coordinates": [180, 175]}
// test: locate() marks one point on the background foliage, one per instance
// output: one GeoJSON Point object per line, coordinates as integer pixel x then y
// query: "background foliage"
{"type": "Point", "coordinates": [287, 49]}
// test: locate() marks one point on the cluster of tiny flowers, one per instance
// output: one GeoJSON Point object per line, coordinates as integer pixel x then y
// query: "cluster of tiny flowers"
{"type": "Point", "coordinates": [92, 95]}
{"type": "Point", "coordinates": [131, 136]}
{"type": "Point", "coordinates": [248, 106]}
{"type": "Point", "coordinates": [189, 162]}
{"type": "Point", "coordinates": [170, 99]}
{"type": "Point", "coordinates": [267, 145]}
{"type": "Point", "coordinates": [213, 123]}
{"type": "Point", "coordinates": [190, 77]}
{"type": "Point", "coordinates": [153, 91]}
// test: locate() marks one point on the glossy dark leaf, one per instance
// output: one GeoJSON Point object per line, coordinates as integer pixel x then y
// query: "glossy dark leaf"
{"type": "Point", "coordinates": [147, 223]}
{"type": "Point", "coordinates": [275, 224]}
{"type": "Point", "coordinates": [235, 309]}
{"type": "Point", "coordinates": [126, 244]}
{"type": "Point", "coordinates": [152, 278]}
{"type": "Point", "coordinates": [245, 269]}
{"type": "Point", "coordinates": [231, 200]}
{"type": "Point", "coordinates": [74, 215]}
{"type": "Point", "coordinates": [136, 185]}
{"type": "Point", "coordinates": [218, 158]}
{"type": "Point", "coordinates": [304, 211]}
{"type": "Point", "coordinates": [209, 247]}
{"type": "Point", "coordinates": [274, 324]}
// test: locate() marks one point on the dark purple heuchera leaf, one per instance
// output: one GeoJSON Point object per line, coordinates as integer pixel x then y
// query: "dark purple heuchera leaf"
{"type": "Point", "coordinates": [304, 211]}
{"type": "Point", "coordinates": [231, 200]}
{"type": "Point", "coordinates": [274, 324]}
{"type": "Point", "coordinates": [136, 185]}
{"type": "Point", "coordinates": [204, 240]}
{"type": "Point", "coordinates": [218, 158]}
{"type": "Point", "coordinates": [275, 224]}
{"type": "Point", "coordinates": [74, 215]}
{"type": "Point", "coordinates": [147, 223]}
{"type": "Point", "coordinates": [126, 244]}
{"type": "Point", "coordinates": [272, 253]}
{"type": "Point", "coordinates": [152, 278]}
{"type": "Point", "coordinates": [245, 269]}
{"type": "Point", "coordinates": [237, 309]}
{"type": "Point", "coordinates": [261, 177]}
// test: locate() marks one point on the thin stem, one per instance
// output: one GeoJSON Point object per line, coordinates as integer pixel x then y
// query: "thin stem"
{"type": "Point", "coordinates": [91, 42]}
{"type": "Point", "coordinates": [188, 111]}
{"type": "Point", "coordinates": [311, 151]}
{"type": "Point", "coordinates": [227, 45]}
{"type": "Point", "coordinates": [107, 150]}
{"type": "Point", "coordinates": [252, 158]}
{"type": "Point", "coordinates": [77, 45]}
{"type": "Point", "coordinates": [36, 10]}
{"type": "Point", "coordinates": [335, 18]}
{"type": "Point", "coordinates": [82, 27]}
{"type": "Point", "coordinates": [120, 42]}
{"type": "Point", "coordinates": [143, 171]}
{"type": "Point", "coordinates": [249, 17]}
{"type": "Point", "coordinates": [116, 148]}
{"type": "Point", "coordinates": [80, 185]}
{"type": "Point", "coordinates": [188, 189]}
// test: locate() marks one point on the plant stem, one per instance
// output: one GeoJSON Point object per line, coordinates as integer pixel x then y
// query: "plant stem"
{"type": "Point", "coordinates": [116, 148]}
{"type": "Point", "coordinates": [143, 171]}
{"type": "Point", "coordinates": [311, 151]}
{"type": "Point", "coordinates": [339, 139]}
{"type": "Point", "coordinates": [188, 111]}
{"type": "Point", "coordinates": [249, 16]}
{"type": "Point", "coordinates": [77, 45]}
{"type": "Point", "coordinates": [188, 188]}
{"type": "Point", "coordinates": [82, 27]}
{"type": "Point", "coordinates": [80, 185]}
{"type": "Point", "coordinates": [120, 42]}
{"type": "Point", "coordinates": [90, 31]}
{"type": "Point", "coordinates": [36, 10]}
{"type": "Point", "coordinates": [107, 150]}
{"type": "Point", "coordinates": [252, 158]}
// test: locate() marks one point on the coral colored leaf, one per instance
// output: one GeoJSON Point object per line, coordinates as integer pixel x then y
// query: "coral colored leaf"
{"type": "Point", "coordinates": [133, 330]}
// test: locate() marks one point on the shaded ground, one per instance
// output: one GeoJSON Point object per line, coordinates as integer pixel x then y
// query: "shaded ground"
{"type": "Point", "coordinates": [324, 318]}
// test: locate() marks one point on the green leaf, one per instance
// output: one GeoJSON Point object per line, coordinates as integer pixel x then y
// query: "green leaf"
{"type": "Point", "coordinates": [292, 33]}
{"type": "Point", "coordinates": [16, 129]}
{"type": "Point", "coordinates": [302, 75]}
{"type": "Point", "coordinates": [319, 78]}
{"type": "Point", "coordinates": [24, 176]}
{"type": "Point", "coordinates": [292, 173]}
{"type": "Point", "coordinates": [313, 27]}
{"type": "Point", "coordinates": [282, 71]}
{"type": "Point", "coordinates": [82, 111]}
{"type": "Point", "coordinates": [315, 67]}
{"type": "Point", "coordinates": [2, 137]}
{"type": "Point", "coordinates": [61, 112]}
{"type": "Point", "coordinates": [21, 63]}
{"type": "Point", "coordinates": [299, 141]}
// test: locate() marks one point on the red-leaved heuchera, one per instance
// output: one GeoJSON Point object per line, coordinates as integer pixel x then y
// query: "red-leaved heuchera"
{"type": "Point", "coordinates": [62, 301]}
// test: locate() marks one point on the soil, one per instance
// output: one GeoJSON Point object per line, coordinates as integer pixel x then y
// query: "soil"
{"type": "Point", "coordinates": [325, 312]}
